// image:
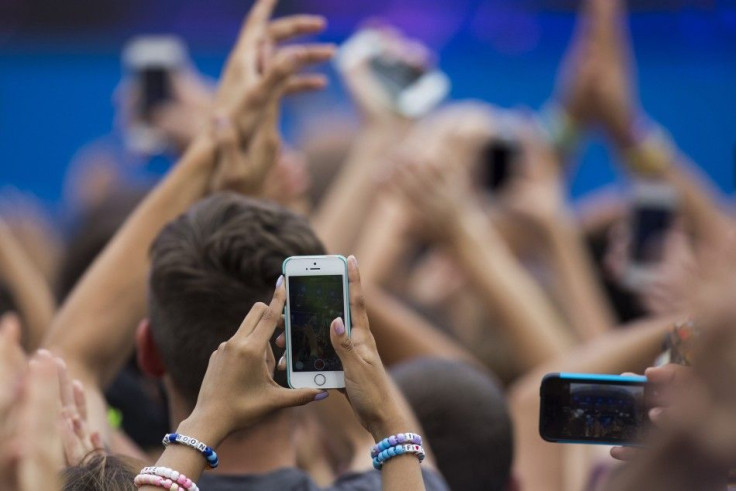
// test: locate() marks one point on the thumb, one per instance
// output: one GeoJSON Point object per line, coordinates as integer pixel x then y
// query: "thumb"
{"type": "Point", "coordinates": [300, 397]}
{"type": "Point", "coordinates": [341, 341]}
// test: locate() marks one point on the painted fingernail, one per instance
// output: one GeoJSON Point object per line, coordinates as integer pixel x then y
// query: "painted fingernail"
{"type": "Point", "coordinates": [354, 260]}
{"type": "Point", "coordinates": [279, 281]}
{"type": "Point", "coordinates": [321, 395]}
{"type": "Point", "coordinates": [339, 326]}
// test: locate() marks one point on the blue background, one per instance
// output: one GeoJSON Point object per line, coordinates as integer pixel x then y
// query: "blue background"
{"type": "Point", "coordinates": [57, 72]}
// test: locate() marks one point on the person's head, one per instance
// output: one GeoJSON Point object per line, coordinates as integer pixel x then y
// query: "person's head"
{"type": "Point", "coordinates": [208, 268]}
{"type": "Point", "coordinates": [99, 473]}
{"type": "Point", "coordinates": [465, 419]}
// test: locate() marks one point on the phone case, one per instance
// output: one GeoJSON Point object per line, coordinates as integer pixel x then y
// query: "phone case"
{"type": "Point", "coordinates": [287, 317]}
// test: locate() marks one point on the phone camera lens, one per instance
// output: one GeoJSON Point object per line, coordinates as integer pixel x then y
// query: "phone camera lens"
{"type": "Point", "coordinates": [315, 264]}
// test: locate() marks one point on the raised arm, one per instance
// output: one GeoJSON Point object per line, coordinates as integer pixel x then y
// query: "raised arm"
{"type": "Point", "coordinates": [537, 199]}
{"type": "Point", "coordinates": [442, 201]}
{"type": "Point", "coordinates": [28, 287]}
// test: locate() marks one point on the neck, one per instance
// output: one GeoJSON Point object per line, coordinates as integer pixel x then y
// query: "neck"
{"type": "Point", "coordinates": [261, 449]}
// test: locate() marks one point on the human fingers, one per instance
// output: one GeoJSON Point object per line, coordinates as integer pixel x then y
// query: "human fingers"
{"type": "Point", "coordinates": [266, 325]}
{"type": "Point", "coordinates": [286, 28]}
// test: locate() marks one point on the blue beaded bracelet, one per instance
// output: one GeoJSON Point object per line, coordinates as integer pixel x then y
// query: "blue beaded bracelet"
{"type": "Point", "coordinates": [396, 450]}
{"type": "Point", "coordinates": [393, 440]}
{"type": "Point", "coordinates": [209, 454]}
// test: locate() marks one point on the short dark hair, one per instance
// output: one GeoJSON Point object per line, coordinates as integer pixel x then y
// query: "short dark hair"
{"type": "Point", "coordinates": [461, 408]}
{"type": "Point", "coordinates": [100, 472]}
{"type": "Point", "coordinates": [209, 267]}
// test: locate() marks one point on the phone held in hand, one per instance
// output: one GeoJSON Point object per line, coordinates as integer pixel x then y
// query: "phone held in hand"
{"type": "Point", "coordinates": [499, 156]}
{"type": "Point", "coordinates": [411, 90]}
{"type": "Point", "coordinates": [316, 294]}
{"type": "Point", "coordinates": [151, 63]}
{"type": "Point", "coordinates": [593, 409]}
{"type": "Point", "coordinates": [652, 215]}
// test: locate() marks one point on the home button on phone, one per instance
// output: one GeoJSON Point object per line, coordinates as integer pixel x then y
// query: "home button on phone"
{"type": "Point", "coordinates": [320, 379]}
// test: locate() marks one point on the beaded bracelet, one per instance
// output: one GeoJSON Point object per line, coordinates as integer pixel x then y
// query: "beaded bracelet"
{"type": "Point", "coordinates": [166, 476]}
{"type": "Point", "coordinates": [393, 440]}
{"type": "Point", "coordinates": [209, 454]}
{"type": "Point", "coordinates": [395, 451]}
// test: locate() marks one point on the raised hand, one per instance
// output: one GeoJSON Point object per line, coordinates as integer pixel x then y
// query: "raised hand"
{"type": "Point", "coordinates": [595, 81]}
{"type": "Point", "coordinates": [256, 76]}
{"type": "Point", "coordinates": [79, 443]}
{"type": "Point", "coordinates": [367, 385]}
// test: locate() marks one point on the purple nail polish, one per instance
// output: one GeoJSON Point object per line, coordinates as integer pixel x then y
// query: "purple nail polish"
{"type": "Point", "coordinates": [339, 327]}
{"type": "Point", "coordinates": [321, 395]}
{"type": "Point", "coordinates": [279, 281]}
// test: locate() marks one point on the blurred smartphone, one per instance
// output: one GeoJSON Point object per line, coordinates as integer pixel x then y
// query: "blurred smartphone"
{"type": "Point", "coordinates": [316, 293]}
{"type": "Point", "coordinates": [499, 156]}
{"type": "Point", "coordinates": [652, 214]}
{"type": "Point", "coordinates": [595, 409]}
{"type": "Point", "coordinates": [410, 90]}
{"type": "Point", "coordinates": [151, 63]}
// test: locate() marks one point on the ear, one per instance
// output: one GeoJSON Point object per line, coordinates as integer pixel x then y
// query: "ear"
{"type": "Point", "coordinates": [148, 357]}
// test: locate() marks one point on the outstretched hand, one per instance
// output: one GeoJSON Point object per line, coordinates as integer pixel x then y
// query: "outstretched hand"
{"type": "Point", "coordinates": [257, 74]}
{"type": "Point", "coordinates": [595, 81]}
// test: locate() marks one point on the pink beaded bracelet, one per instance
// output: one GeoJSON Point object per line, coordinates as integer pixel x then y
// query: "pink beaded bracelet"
{"type": "Point", "coordinates": [166, 478]}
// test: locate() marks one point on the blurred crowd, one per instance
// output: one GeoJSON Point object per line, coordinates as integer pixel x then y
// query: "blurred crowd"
{"type": "Point", "coordinates": [471, 276]}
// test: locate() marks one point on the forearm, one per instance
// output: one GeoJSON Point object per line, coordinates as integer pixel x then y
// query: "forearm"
{"type": "Point", "coordinates": [576, 286]}
{"type": "Point", "coordinates": [401, 334]}
{"type": "Point", "coordinates": [342, 213]}
{"type": "Point", "coordinates": [384, 241]}
{"type": "Point", "coordinates": [28, 287]}
{"type": "Point", "coordinates": [528, 319]}
{"type": "Point", "coordinates": [94, 329]}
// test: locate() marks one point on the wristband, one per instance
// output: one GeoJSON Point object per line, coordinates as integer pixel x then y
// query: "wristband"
{"type": "Point", "coordinates": [559, 128]}
{"type": "Point", "coordinates": [393, 440]}
{"type": "Point", "coordinates": [652, 154]}
{"type": "Point", "coordinates": [177, 478]}
{"type": "Point", "coordinates": [209, 454]}
{"type": "Point", "coordinates": [395, 451]}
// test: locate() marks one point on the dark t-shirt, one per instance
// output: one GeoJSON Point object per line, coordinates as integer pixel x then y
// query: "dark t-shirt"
{"type": "Point", "coordinates": [297, 480]}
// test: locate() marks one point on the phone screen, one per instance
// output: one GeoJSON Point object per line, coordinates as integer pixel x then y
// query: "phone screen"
{"type": "Point", "coordinates": [395, 75]}
{"type": "Point", "coordinates": [498, 156]}
{"type": "Point", "coordinates": [651, 223]}
{"type": "Point", "coordinates": [593, 411]}
{"type": "Point", "coordinates": [155, 87]}
{"type": "Point", "coordinates": [314, 302]}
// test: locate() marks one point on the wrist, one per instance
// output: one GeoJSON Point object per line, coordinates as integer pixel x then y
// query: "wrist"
{"type": "Point", "coordinates": [210, 430]}
{"type": "Point", "coordinates": [390, 424]}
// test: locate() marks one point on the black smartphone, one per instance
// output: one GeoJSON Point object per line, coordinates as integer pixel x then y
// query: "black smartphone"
{"type": "Point", "coordinates": [590, 408]}
{"type": "Point", "coordinates": [499, 156]}
{"type": "Point", "coordinates": [155, 82]}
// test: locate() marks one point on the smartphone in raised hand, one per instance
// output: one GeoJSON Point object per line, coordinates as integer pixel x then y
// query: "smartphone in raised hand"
{"type": "Point", "coordinates": [411, 89]}
{"type": "Point", "coordinates": [151, 63]}
{"type": "Point", "coordinates": [316, 294]}
{"type": "Point", "coordinates": [592, 408]}
{"type": "Point", "coordinates": [652, 215]}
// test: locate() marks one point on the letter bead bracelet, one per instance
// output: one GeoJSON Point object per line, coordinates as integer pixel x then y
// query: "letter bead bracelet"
{"type": "Point", "coordinates": [399, 444]}
{"type": "Point", "coordinates": [209, 454]}
{"type": "Point", "coordinates": [166, 478]}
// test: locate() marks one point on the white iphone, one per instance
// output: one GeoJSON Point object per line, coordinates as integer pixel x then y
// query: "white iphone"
{"type": "Point", "coordinates": [316, 294]}
{"type": "Point", "coordinates": [410, 90]}
{"type": "Point", "coordinates": [653, 212]}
